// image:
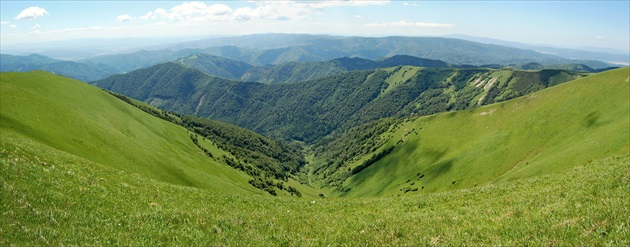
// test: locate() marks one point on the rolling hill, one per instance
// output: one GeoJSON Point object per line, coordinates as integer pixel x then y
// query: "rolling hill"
{"type": "Point", "coordinates": [292, 72]}
{"type": "Point", "coordinates": [57, 192]}
{"type": "Point", "coordinates": [542, 133]}
{"type": "Point", "coordinates": [108, 132]}
{"type": "Point", "coordinates": [216, 66]}
{"type": "Point", "coordinates": [92, 125]}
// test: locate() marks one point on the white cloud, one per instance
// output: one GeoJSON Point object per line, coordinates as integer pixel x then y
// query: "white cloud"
{"type": "Point", "coordinates": [192, 8]}
{"type": "Point", "coordinates": [191, 11]}
{"type": "Point", "coordinates": [599, 38]}
{"type": "Point", "coordinates": [410, 4]}
{"type": "Point", "coordinates": [36, 27]}
{"type": "Point", "coordinates": [122, 18]}
{"type": "Point", "coordinates": [358, 16]}
{"type": "Point", "coordinates": [411, 24]}
{"type": "Point", "coordinates": [31, 13]}
{"type": "Point", "coordinates": [271, 11]}
{"type": "Point", "coordinates": [194, 12]}
{"type": "Point", "coordinates": [13, 26]}
{"type": "Point", "coordinates": [4, 22]}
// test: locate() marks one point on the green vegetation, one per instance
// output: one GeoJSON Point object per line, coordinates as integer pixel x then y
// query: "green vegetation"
{"type": "Point", "coordinates": [311, 110]}
{"type": "Point", "coordinates": [292, 72]}
{"type": "Point", "coordinates": [544, 132]}
{"type": "Point", "coordinates": [84, 121]}
{"type": "Point", "coordinates": [106, 131]}
{"type": "Point", "coordinates": [216, 66]}
{"type": "Point", "coordinates": [50, 197]}
{"type": "Point", "coordinates": [81, 167]}
{"type": "Point", "coordinates": [260, 157]}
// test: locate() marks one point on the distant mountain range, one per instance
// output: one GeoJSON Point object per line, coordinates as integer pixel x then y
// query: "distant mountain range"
{"type": "Point", "coordinates": [606, 55]}
{"type": "Point", "coordinates": [282, 58]}
{"type": "Point", "coordinates": [76, 70]}
{"type": "Point", "coordinates": [266, 49]}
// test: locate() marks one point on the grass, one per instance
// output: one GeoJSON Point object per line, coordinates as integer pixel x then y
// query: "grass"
{"type": "Point", "coordinates": [560, 180]}
{"type": "Point", "coordinates": [85, 121]}
{"type": "Point", "coordinates": [545, 132]}
{"type": "Point", "coordinates": [50, 197]}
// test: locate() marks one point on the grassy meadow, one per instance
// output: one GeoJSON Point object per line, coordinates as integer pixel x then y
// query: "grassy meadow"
{"type": "Point", "coordinates": [87, 122]}
{"type": "Point", "coordinates": [50, 197]}
{"type": "Point", "coordinates": [80, 167]}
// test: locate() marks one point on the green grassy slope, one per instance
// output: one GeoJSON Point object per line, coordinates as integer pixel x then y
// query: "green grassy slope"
{"type": "Point", "coordinates": [545, 132]}
{"type": "Point", "coordinates": [49, 197]}
{"type": "Point", "coordinates": [86, 122]}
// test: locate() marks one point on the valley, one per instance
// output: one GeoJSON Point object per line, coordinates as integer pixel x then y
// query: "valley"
{"type": "Point", "coordinates": [314, 140]}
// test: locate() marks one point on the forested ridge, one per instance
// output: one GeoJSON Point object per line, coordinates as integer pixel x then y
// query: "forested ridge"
{"type": "Point", "coordinates": [311, 110]}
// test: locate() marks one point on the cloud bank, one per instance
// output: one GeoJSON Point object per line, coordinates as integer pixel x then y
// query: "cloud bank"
{"type": "Point", "coordinates": [264, 10]}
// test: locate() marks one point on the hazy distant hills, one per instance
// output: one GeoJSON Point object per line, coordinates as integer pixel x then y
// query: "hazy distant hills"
{"type": "Point", "coordinates": [76, 70]}
{"type": "Point", "coordinates": [312, 109]}
{"type": "Point", "coordinates": [277, 49]}
{"type": "Point", "coordinates": [277, 58]}
{"type": "Point", "coordinates": [265, 49]}
{"type": "Point", "coordinates": [599, 54]}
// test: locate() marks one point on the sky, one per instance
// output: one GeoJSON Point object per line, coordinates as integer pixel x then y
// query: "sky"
{"type": "Point", "coordinates": [567, 24]}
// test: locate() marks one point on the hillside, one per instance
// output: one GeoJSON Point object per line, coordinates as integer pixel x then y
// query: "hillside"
{"type": "Point", "coordinates": [84, 121]}
{"type": "Point", "coordinates": [108, 132]}
{"type": "Point", "coordinates": [114, 175]}
{"type": "Point", "coordinates": [216, 66]}
{"type": "Point", "coordinates": [50, 197]}
{"type": "Point", "coordinates": [310, 110]}
{"type": "Point", "coordinates": [545, 132]}
{"type": "Point", "coordinates": [292, 72]}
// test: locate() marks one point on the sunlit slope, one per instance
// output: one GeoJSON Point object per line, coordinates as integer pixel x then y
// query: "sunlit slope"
{"type": "Point", "coordinates": [545, 132]}
{"type": "Point", "coordinates": [84, 121]}
{"type": "Point", "coordinates": [48, 197]}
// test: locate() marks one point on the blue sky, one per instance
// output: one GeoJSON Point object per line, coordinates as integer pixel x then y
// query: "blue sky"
{"type": "Point", "coordinates": [571, 24]}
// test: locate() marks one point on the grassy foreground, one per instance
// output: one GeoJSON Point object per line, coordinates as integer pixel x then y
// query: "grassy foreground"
{"type": "Point", "coordinates": [49, 197]}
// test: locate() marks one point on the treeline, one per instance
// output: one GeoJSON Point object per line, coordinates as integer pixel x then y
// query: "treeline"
{"type": "Point", "coordinates": [276, 158]}
{"type": "Point", "coordinates": [376, 157]}
{"type": "Point", "coordinates": [336, 154]}
{"type": "Point", "coordinates": [166, 115]}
